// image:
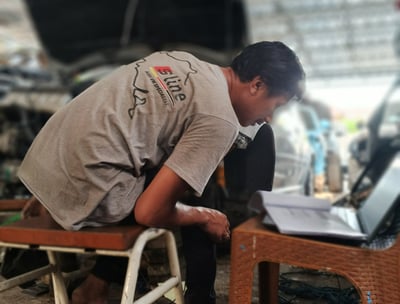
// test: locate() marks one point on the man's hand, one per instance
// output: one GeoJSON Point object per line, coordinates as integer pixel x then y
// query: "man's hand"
{"type": "Point", "coordinates": [217, 224]}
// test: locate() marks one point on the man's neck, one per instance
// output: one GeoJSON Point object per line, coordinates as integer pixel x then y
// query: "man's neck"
{"type": "Point", "coordinates": [230, 76]}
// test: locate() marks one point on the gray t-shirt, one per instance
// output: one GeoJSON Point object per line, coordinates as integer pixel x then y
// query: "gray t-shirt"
{"type": "Point", "coordinates": [88, 163]}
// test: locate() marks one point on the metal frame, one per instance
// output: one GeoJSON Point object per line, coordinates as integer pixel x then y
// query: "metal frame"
{"type": "Point", "coordinates": [134, 254]}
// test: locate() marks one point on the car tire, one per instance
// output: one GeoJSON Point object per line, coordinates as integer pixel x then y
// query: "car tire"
{"type": "Point", "coordinates": [334, 173]}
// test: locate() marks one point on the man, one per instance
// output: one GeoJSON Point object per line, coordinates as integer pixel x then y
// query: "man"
{"type": "Point", "coordinates": [168, 112]}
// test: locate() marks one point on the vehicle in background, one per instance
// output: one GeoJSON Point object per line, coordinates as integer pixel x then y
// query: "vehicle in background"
{"type": "Point", "coordinates": [328, 166]}
{"type": "Point", "coordinates": [101, 35]}
{"type": "Point", "coordinates": [357, 155]}
{"type": "Point", "coordinates": [342, 137]}
{"type": "Point", "coordinates": [334, 170]}
{"type": "Point", "coordinates": [315, 134]}
{"type": "Point", "coordinates": [380, 134]}
{"type": "Point", "coordinates": [295, 158]}
{"type": "Point", "coordinates": [105, 34]}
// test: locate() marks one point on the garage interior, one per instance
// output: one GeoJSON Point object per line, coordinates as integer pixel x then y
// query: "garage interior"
{"type": "Point", "coordinates": [350, 50]}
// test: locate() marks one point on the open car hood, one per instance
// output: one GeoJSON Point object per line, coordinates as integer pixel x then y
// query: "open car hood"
{"type": "Point", "coordinates": [122, 30]}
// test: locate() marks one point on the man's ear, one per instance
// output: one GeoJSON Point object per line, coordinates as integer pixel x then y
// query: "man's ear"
{"type": "Point", "coordinates": [255, 85]}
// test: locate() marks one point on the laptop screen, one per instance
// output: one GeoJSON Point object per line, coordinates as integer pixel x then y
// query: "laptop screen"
{"type": "Point", "coordinates": [383, 199]}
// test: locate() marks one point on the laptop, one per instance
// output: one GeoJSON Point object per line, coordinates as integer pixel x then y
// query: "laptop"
{"type": "Point", "coordinates": [309, 216]}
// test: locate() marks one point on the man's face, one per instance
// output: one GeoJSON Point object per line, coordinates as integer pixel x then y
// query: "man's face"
{"type": "Point", "coordinates": [257, 105]}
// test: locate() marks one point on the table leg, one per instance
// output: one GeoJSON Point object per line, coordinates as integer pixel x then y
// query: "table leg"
{"type": "Point", "coordinates": [268, 282]}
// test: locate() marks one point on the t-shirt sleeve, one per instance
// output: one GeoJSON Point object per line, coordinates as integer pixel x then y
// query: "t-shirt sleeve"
{"type": "Point", "coordinates": [201, 148]}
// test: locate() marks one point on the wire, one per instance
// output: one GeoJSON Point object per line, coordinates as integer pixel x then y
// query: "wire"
{"type": "Point", "coordinates": [298, 289]}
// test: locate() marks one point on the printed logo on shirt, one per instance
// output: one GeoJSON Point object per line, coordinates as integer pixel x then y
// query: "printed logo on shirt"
{"type": "Point", "coordinates": [167, 84]}
{"type": "Point", "coordinates": [139, 93]}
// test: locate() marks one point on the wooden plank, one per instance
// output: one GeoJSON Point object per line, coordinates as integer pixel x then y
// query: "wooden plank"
{"type": "Point", "coordinates": [12, 204]}
{"type": "Point", "coordinates": [44, 230]}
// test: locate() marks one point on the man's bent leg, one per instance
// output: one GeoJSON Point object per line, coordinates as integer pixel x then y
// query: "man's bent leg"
{"type": "Point", "coordinates": [200, 255]}
{"type": "Point", "coordinates": [107, 269]}
{"type": "Point", "coordinates": [93, 290]}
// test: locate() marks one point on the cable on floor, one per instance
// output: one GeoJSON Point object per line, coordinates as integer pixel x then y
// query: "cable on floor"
{"type": "Point", "coordinates": [291, 290]}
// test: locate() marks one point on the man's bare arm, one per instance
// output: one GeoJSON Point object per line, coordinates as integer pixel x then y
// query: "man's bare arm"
{"type": "Point", "coordinates": [158, 207]}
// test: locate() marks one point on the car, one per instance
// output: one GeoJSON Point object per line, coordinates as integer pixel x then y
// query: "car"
{"type": "Point", "coordinates": [295, 157]}
{"type": "Point", "coordinates": [378, 136]}
{"type": "Point", "coordinates": [80, 36]}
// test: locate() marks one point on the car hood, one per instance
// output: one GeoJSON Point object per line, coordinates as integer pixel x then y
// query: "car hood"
{"type": "Point", "coordinates": [71, 30]}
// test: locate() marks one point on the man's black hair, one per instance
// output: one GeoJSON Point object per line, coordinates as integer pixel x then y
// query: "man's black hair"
{"type": "Point", "coordinates": [276, 64]}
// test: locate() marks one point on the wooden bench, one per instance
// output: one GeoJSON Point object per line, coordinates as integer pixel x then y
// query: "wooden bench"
{"type": "Point", "coordinates": [43, 233]}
